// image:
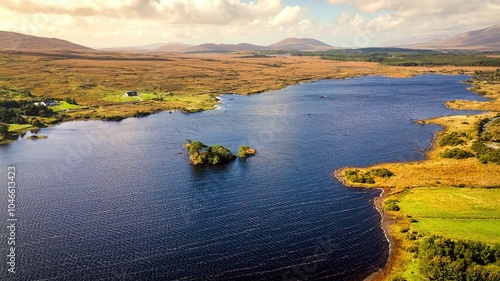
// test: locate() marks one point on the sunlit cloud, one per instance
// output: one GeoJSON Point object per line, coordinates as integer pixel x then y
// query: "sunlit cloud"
{"type": "Point", "coordinates": [99, 23]}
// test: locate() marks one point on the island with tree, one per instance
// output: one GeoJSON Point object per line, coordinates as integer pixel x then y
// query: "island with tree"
{"type": "Point", "coordinates": [200, 153]}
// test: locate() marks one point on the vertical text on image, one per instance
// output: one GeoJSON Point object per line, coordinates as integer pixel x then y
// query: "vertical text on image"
{"type": "Point", "coordinates": [11, 219]}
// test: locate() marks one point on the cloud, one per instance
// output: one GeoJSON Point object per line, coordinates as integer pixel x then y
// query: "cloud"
{"type": "Point", "coordinates": [172, 19]}
{"type": "Point", "coordinates": [408, 18]}
{"type": "Point", "coordinates": [287, 15]}
{"type": "Point", "coordinates": [169, 11]}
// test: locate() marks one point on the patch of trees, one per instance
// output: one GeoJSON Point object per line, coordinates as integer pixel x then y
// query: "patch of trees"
{"type": "Point", "coordinates": [391, 205]}
{"type": "Point", "coordinates": [452, 139]}
{"type": "Point", "coordinates": [369, 176]}
{"type": "Point", "coordinates": [405, 57]}
{"type": "Point", "coordinates": [486, 154]}
{"type": "Point", "coordinates": [12, 111]}
{"type": "Point", "coordinates": [200, 153]}
{"type": "Point", "coordinates": [446, 259]}
{"type": "Point", "coordinates": [456, 153]}
{"type": "Point", "coordinates": [488, 76]}
{"type": "Point", "coordinates": [4, 131]}
{"type": "Point", "coordinates": [245, 151]}
{"type": "Point", "coordinates": [70, 101]}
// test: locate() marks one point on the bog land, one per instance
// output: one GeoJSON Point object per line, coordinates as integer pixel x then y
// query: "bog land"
{"type": "Point", "coordinates": [453, 194]}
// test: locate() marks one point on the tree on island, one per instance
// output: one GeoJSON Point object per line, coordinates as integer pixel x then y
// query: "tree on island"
{"type": "Point", "coordinates": [200, 153]}
{"type": "Point", "coordinates": [245, 151]}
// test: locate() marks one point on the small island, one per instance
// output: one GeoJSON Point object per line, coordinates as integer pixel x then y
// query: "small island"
{"type": "Point", "coordinates": [36, 137]}
{"type": "Point", "coordinates": [245, 151]}
{"type": "Point", "coordinates": [200, 153]}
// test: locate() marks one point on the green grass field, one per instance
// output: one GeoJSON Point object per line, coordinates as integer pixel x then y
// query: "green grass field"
{"type": "Point", "coordinates": [21, 127]}
{"type": "Point", "coordinates": [63, 106]}
{"type": "Point", "coordinates": [458, 213]}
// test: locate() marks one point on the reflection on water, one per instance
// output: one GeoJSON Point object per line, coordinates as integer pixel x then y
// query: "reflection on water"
{"type": "Point", "coordinates": [117, 200]}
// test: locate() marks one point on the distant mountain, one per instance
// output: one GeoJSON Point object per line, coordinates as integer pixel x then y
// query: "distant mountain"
{"type": "Point", "coordinates": [300, 44]}
{"type": "Point", "coordinates": [403, 42]}
{"type": "Point", "coordinates": [173, 48]}
{"type": "Point", "coordinates": [486, 39]}
{"type": "Point", "coordinates": [210, 47]}
{"type": "Point", "coordinates": [160, 47]}
{"type": "Point", "coordinates": [18, 41]}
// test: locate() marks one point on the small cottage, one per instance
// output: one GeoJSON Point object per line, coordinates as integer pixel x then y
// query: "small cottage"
{"type": "Point", "coordinates": [132, 93]}
{"type": "Point", "coordinates": [49, 103]}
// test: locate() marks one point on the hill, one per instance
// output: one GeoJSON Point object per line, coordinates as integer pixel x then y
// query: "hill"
{"type": "Point", "coordinates": [18, 41]}
{"type": "Point", "coordinates": [486, 39]}
{"type": "Point", "coordinates": [300, 44]}
{"type": "Point", "coordinates": [173, 48]}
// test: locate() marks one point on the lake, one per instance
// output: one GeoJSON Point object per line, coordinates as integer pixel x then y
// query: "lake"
{"type": "Point", "coordinates": [118, 200]}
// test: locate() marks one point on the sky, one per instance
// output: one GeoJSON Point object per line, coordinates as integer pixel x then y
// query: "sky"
{"type": "Point", "coordinates": [340, 23]}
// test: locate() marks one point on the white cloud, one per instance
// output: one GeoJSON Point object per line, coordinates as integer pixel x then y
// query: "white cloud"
{"type": "Point", "coordinates": [124, 20]}
{"type": "Point", "coordinates": [287, 15]}
{"type": "Point", "coordinates": [408, 18]}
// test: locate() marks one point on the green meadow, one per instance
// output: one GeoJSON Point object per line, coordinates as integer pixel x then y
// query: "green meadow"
{"type": "Point", "coordinates": [457, 213]}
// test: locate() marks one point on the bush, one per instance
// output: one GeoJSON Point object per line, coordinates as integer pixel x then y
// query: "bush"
{"type": "Point", "coordinates": [199, 153]}
{"type": "Point", "coordinates": [358, 177]}
{"type": "Point", "coordinates": [391, 205]}
{"type": "Point", "coordinates": [70, 101]}
{"type": "Point", "coordinates": [446, 259]}
{"type": "Point", "coordinates": [451, 139]}
{"type": "Point", "coordinates": [382, 172]}
{"type": "Point", "coordinates": [245, 151]}
{"type": "Point", "coordinates": [486, 154]}
{"type": "Point", "coordinates": [456, 153]}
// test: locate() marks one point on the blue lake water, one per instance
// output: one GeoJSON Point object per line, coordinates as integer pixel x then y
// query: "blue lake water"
{"type": "Point", "coordinates": [118, 201]}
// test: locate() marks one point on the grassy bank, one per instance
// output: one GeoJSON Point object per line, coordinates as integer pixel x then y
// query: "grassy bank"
{"type": "Point", "coordinates": [454, 193]}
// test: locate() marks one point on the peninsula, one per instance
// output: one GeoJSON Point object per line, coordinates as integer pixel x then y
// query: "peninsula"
{"type": "Point", "coordinates": [452, 197]}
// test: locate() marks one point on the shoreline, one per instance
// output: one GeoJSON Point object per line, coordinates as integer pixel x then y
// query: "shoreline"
{"type": "Point", "coordinates": [386, 222]}
{"type": "Point", "coordinates": [198, 90]}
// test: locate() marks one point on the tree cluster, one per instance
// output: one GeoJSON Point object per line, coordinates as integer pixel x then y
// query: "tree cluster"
{"type": "Point", "coordinates": [486, 154]}
{"type": "Point", "coordinates": [451, 139]}
{"type": "Point", "coordinates": [446, 259]}
{"type": "Point", "coordinates": [369, 176]}
{"type": "Point", "coordinates": [12, 111]}
{"type": "Point", "coordinates": [456, 153]}
{"type": "Point", "coordinates": [200, 153]}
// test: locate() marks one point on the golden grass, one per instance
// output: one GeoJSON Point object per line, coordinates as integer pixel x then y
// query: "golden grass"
{"type": "Point", "coordinates": [100, 79]}
{"type": "Point", "coordinates": [438, 171]}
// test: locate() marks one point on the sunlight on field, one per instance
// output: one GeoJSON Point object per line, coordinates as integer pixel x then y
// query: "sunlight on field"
{"type": "Point", "coordinates": [459, 213]}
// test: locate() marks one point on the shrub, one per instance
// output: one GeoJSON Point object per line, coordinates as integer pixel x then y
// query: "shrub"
{"type": "Point", "coordinates": [391, 205]}
{"type": "Point", "coordinates": [382, 172]}
{"type": "Point", "coordinates": [245, 151]}
{"type": "Point", "coordinates": [446, 259]}
{"type": "Point", "coordinates": [486, 154]}
{"type": "Point", "coordinates": [456, 153]}
{"type": "Point", "coordinates": [358, 177]}
{"type": "Point", "coordinates": [70, 101]}
{"type": "Point", "coordinates": [451, 139]}
{"type": "Point", "coordinates": [199, 153]}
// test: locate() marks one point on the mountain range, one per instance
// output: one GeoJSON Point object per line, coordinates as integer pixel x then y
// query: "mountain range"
{"type": "Point", "coordinates": [486, 39]}
{"type": "Point", "coordinates": [19, 41]}
{"type": "Point", "coordinates": [297, 44]}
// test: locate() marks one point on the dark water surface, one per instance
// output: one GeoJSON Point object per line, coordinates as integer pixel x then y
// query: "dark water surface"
{"type": "Point", "coordinates": [116, 201]}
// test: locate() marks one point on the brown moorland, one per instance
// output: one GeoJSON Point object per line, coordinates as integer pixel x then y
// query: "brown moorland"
{"type": "Point", "coordinates": [100, 79]}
